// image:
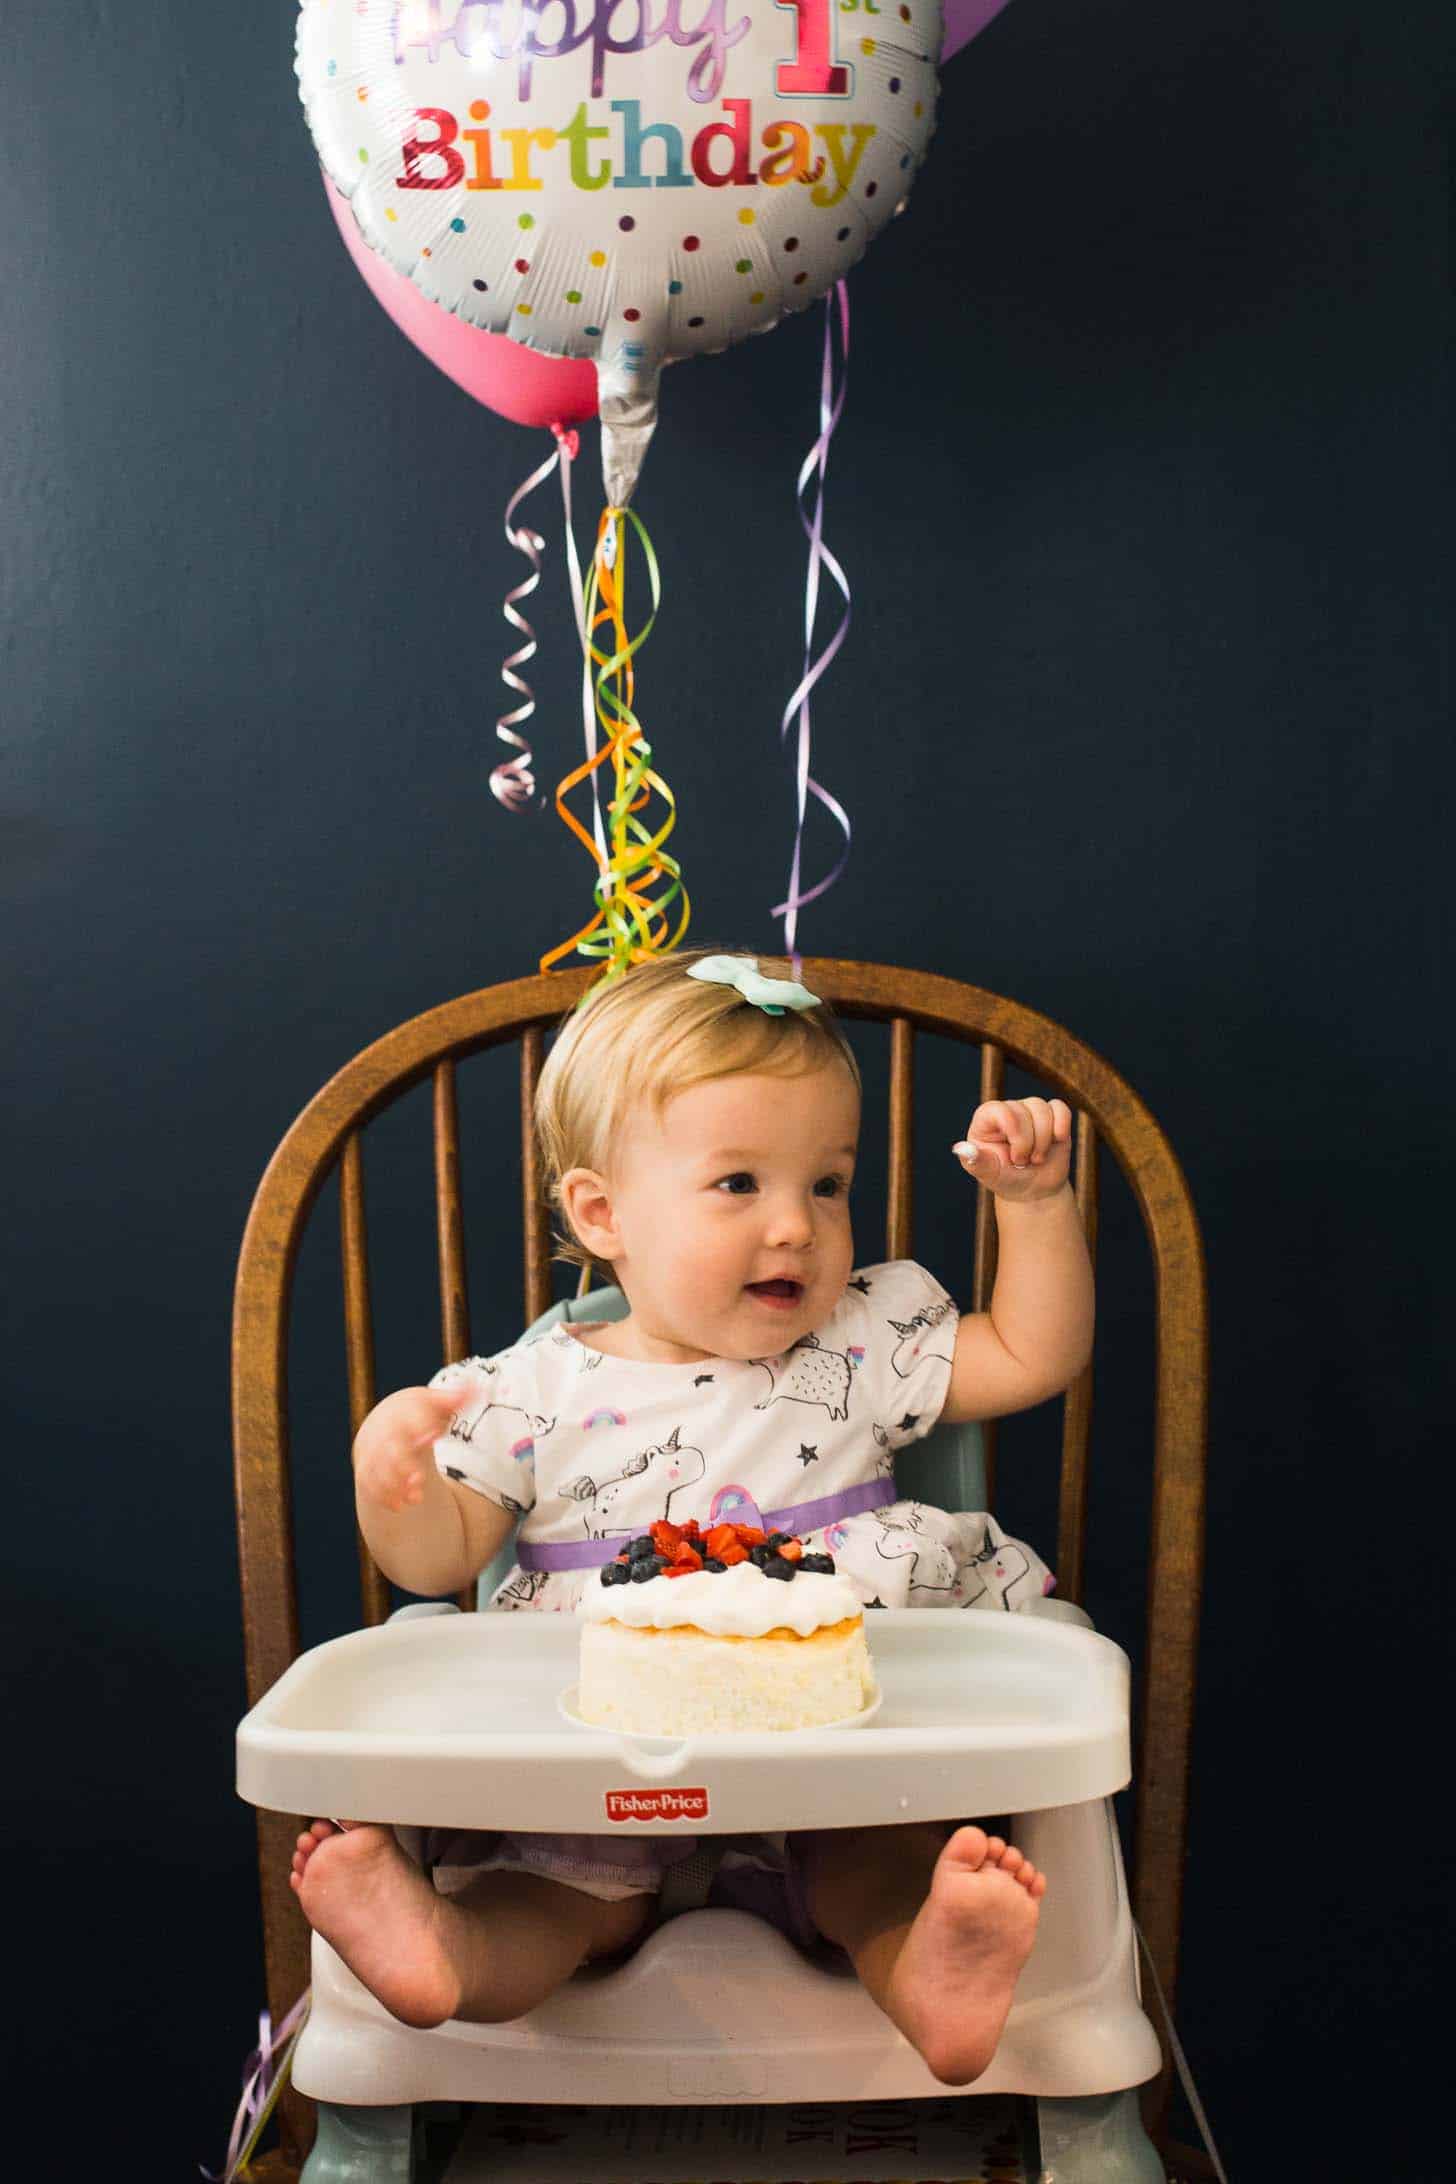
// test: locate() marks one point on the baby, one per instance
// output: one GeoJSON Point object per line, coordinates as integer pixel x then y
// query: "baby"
{"type": "Point", "coordinates": [698, 1122]}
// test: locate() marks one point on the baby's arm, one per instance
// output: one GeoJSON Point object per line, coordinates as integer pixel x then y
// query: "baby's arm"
{"type": "Point", "coordinates": [428, 1534]}
{"type": "Point", "coordinates": [1037, 1335]}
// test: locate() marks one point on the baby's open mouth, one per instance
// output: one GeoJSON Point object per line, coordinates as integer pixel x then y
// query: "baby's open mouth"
{"type": "Point", "coordinates": [777, 1292]}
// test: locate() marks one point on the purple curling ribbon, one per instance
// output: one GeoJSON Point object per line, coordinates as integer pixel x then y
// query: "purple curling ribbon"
{"type": "Point", "coordinates": [513, 782]}
{"type": "Point", "coordinates": [263, 2078]}
{"type": "Point", "coordinates": [815, 464]}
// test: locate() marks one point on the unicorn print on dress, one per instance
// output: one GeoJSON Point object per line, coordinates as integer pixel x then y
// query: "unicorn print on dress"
{"type": "Point", "coordinates": [913, 1333]}
{"type": "Point", "coordinates": [930, 1554]}
{"type": "Point", "coordinates": [465, 1421]}
{"type": "Point", "coordinates": [811, 1374]}
{"type": "Point", "coordinates": [508, 1502]}
{"type": "Point", "coordinates": [673, 1468]}
{"type": "Point", "coordinates": [903, 1538]}
{"type": "Point", "coordinates": [588, 1360]}
{"type": "Point", "coordinates": [1001, 1569]}
{"type": "Point", "coordinates": [522, 1589]}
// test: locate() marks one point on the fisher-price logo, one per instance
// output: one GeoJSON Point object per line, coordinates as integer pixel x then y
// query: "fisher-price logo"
{"type": "Point", "coordinates": [657, 1804]}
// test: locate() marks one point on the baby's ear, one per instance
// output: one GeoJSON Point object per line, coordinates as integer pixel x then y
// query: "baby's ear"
{"type": "Point", "coordinates": [586, 1209]}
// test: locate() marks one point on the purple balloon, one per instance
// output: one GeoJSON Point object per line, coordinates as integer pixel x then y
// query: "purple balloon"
{"type": "Point", "coordinates": [965, 20]}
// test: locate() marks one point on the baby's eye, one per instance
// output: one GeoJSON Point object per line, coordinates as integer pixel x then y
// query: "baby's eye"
{"type": "Point", "coordinates": [738, 1185]}
{"type": "Point", "coordinates": [830, 1186]}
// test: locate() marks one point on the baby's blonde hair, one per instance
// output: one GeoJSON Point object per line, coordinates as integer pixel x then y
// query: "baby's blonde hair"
{"type": "Point", "coordinates": [651, 1034]}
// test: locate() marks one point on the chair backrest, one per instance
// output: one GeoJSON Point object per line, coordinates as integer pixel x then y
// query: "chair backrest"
{"type": "Point", "coordinates": [329, 1134]}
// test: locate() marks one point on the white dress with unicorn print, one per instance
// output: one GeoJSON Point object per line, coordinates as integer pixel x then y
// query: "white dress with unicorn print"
{"type": "Point", "coordinates": [584, 1449]}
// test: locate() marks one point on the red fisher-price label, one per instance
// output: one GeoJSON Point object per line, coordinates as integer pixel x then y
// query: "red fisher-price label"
{"type": "Point", "coordinates": [656, 1804]}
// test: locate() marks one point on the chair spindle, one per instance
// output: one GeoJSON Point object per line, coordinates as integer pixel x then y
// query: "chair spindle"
{"type": "Point", "coordinates": [899, 1196]}
{"type": "Point", "coordinates": [449, 1223]}
{"type": "Point", "coordinates": [359, 1342]}
{"type": "Point", "coordinates": [993, 1079]}
{"type": "Point", "coordinates": [536, 1225]}
{"type": "Point", "coordinates": [1077, 1403]}
{"type": "Point", "coordinates": [450, 1237]}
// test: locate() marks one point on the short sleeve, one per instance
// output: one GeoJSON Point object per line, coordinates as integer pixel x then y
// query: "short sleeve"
{"type": "Point", "coordinates": [910, 1337]}
{"type": "Point", "coordinates": [491, 1443]}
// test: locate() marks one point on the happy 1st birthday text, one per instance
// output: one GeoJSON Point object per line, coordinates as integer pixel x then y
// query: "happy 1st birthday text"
{"type": "Point", "coordinates": [440, 155]}
{"type": "Point", "coordinates": [515, 30]}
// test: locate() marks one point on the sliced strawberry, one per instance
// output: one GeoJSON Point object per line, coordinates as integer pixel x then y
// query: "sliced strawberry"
{"type": "Point", "coordinates": [689, 1529]}
{"type": "Point", "coordinates": [730, 1555]}
{"type": "Point", "coordinates": [721, 1536]}
{"type": "Point", "coordinates": [621, 1558]}
{"type": "Point", "coordinates": [679, 1569]}
{"type": "Point", "coordinates": [749, 1535]}
{"type": "Point", "coordinates": [687, 1558]}
{"type": "Point", "coordinates": [666, 1538]}
{"type": "Point", "coordinates": [791, 1549]}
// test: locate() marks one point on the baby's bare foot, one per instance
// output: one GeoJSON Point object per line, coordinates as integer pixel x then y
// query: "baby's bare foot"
{"type": "Point", "coordinates": [953, 1980]}
{"type": "Point", "coordinates": [359, 1891]}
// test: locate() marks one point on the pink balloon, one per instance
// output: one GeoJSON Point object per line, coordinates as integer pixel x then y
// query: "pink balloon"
{"type": "Point", "coordinates": [515, 382]}
{"type": "Point", "coordinates": [965, 20]}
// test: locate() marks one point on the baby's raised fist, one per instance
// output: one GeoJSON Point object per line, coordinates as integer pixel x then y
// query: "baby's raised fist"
{"type": "Point", "coordinates": [1019, 1148]}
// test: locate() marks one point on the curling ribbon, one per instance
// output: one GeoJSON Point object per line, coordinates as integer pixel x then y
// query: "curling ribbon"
{"type": "Point", "coordinates": [578, 608]}
{"type": "Point", "coordinates": [513, 782]}
{"type": "Point", "coordinates": [265, 2074]}
{"type": "Point", "coordinates": [816, 462]}
{"type": "Point", "coordinates": [631, 922]}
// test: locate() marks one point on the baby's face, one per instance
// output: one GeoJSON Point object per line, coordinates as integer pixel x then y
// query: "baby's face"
{"type": "Point", "coordinates": [733, 1206]}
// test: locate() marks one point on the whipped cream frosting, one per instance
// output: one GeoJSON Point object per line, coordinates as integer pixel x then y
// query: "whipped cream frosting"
{"type": "Point", "coordinates": [736, 1603]}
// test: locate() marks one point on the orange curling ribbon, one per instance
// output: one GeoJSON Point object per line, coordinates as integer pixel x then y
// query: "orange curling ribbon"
{"type": "Point", "coordinates": [637, 881]}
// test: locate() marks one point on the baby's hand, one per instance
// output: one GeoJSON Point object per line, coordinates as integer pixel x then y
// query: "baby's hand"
{"type": "Point", "coordinates": [1019, 1148]}
{"type": "Point", "coordinates": [394, 1448]}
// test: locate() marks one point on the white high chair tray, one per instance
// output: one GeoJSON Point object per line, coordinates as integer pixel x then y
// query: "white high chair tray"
{"type": "Point", "coordinates": [454, 1721]}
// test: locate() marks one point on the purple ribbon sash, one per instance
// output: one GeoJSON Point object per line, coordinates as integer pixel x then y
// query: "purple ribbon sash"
{"type": "Point", "coordinates": [807, 1516]}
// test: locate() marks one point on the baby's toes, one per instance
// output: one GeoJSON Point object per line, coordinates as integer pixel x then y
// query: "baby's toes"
{"type": "Point", "coordinates": [1011, 1860]}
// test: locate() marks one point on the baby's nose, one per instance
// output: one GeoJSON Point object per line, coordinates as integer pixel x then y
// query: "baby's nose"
{"type": "Point", "coordinates": [792, 1224]}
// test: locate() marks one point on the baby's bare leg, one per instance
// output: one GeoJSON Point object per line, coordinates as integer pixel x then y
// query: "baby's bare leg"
{"type": "Point", "coordinates": [490, 1953]}
{"type": "Point", "coordinates": [937, 1931]}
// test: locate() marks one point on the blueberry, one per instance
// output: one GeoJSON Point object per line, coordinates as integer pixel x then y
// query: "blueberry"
{"type": "Point", "coordinates": [710, 1564]}
{"type": "Point", "coordinates": [778, 1568]}
{"type": "Point", "coordinates": [615, 1573]}
{"type": "Point", "coordinates": [821, 1565]}
{"type": "Point", "coordinates": [639, 1547]}
{"type": "Point", "coordinates": [761, 1557]}
{"type": "Point", "coordinates": [645, 1567]}
{"type": "Point", "coordinates": [777, 1539]}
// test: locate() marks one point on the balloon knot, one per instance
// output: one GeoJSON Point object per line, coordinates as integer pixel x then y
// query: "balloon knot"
{"type": "Point", "coordinates": [568, 442]}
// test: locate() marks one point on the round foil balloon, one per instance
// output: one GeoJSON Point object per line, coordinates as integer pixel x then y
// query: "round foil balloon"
{"type": "Point", "coordinates": [631, 181]}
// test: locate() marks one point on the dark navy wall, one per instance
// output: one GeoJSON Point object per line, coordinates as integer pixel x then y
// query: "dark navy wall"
{"type": "Point", "coordinates": [1144, 489]}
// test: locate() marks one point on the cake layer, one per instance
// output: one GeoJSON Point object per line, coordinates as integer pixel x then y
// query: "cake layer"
{"type": "Point", "coordinates": [680, 1681]}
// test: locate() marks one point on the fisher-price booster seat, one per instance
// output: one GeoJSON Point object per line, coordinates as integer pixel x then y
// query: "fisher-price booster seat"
{"type": "Point", "coordinates": [717, 2006]}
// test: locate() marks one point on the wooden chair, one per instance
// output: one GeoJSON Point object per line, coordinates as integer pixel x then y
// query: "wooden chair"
{"type": "Point", "coordinates": [329, 1134]}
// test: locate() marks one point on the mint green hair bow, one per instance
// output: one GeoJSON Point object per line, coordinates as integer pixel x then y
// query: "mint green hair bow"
{"type": "Point", "coordinates": [772, 995]}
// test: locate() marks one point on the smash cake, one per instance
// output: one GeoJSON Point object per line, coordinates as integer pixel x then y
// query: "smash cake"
{"type": "Point", "coordinates": [693, 1632]}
